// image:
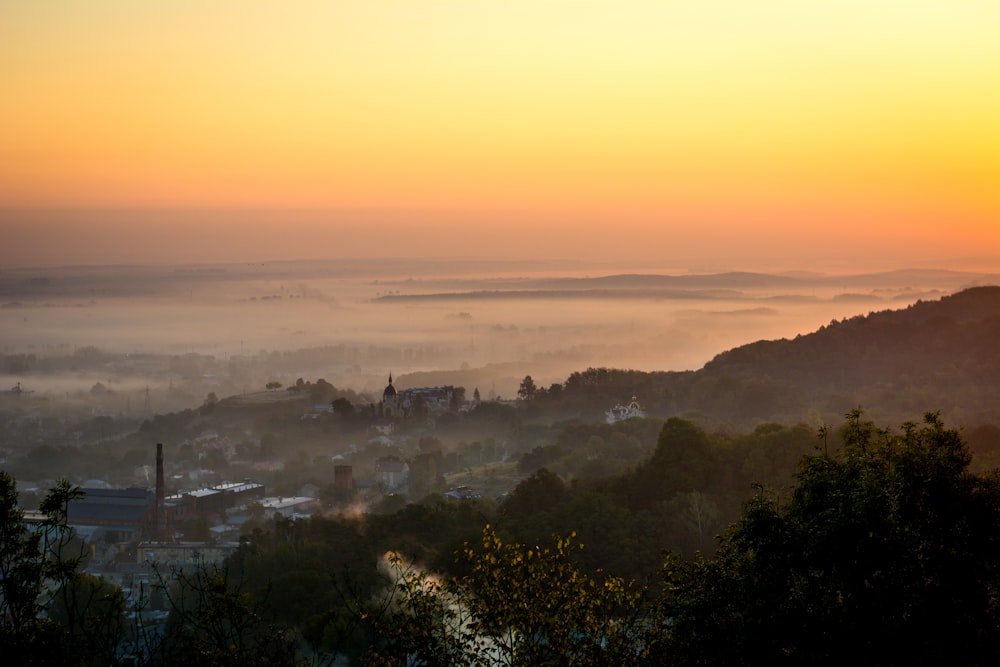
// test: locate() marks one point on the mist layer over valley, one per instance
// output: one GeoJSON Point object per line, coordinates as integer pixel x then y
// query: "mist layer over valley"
{"type": "Point", "coordinates": [162, 338]}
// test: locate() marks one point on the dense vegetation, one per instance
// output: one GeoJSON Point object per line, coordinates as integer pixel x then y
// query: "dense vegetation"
{"type": "Point", "coordinates": [886, 551]}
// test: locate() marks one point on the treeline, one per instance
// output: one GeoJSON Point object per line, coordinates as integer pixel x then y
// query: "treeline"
{"type": "Point", "coordinates": [894, 359]}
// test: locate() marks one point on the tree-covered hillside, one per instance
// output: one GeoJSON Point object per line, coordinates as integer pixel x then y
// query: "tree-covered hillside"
{"type": "Point", "coordinates": [894, 363]}
{"type": "Point", "coordinates": [939, 353]}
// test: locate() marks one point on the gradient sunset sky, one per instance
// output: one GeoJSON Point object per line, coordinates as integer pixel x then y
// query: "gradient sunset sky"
{"type": "Point", "coordinates": [703, 133]}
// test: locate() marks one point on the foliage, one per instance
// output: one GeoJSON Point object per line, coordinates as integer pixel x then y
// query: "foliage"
{"type": "Point", "coordinates": [91, 613]}
{"type": "Point", "coordinates": [887, 554]}
{"type": "Point", "coordinates": [589, 450]}
{"type": "Point", "coordinates": [937, 352]}
{"type": "Point", "coordinates": [519, 605]}
{"type": "Point", "coordinates": [37, 565]}
{"type": "Point", "coordinates": [314, 575]}
{"type": "Point", "coordinates": [541, 490]}
{"type": "Point", "coordinates": [213, 621]}
{"type": "Point", "coordinates": [527, 389]}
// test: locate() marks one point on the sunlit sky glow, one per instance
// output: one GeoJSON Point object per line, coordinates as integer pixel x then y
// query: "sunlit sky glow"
{"type": "Point", "coordinates": [741, 130]}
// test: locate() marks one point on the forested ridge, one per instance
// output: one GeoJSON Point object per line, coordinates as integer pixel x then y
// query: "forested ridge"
{"type": "Point", "coordinates": [894, 360]}
{"type": "Point", "coordinates": [896, 363]}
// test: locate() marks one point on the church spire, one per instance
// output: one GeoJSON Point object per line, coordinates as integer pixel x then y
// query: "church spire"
{"type": "Point", "coordinates": [390, 391]}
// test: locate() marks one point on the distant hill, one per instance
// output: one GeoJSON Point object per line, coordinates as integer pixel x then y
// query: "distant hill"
{"type": "Point", "coordinates": [932, 355]}
{"type": "Point", "coordinates": [941, 355]}
{"type": "Point", "coordinates": [690, 286]}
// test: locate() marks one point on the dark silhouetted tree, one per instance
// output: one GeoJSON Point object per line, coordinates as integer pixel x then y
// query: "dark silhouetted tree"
{"type": "Point", "coordinates": [887, 554]}
{"type": "Point", "coordinates": [527, 390]}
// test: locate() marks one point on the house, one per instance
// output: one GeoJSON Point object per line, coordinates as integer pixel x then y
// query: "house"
{"type": "Point", "coordinates": [462, 493]}
{"type": "Point", "coordinates": [390, 472]}
{"type": "Point", "coordinates": [183, 555]}
{"type": "Point", "coordinates": [290, 507]}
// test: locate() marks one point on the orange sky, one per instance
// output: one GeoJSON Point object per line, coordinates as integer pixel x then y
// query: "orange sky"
{"type": "Point", "coordinates": [705, 131]}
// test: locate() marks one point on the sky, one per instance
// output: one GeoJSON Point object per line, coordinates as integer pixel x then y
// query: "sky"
{"type": "Point", "coordinates": [681, 133]}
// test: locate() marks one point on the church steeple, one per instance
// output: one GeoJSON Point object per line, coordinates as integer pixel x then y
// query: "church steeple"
{"type": "Point", "coordinates": [390, 391]}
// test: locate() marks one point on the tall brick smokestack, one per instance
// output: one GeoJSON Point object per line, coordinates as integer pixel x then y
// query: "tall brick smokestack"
{"type": "Point", "coordinates": [160, 490]}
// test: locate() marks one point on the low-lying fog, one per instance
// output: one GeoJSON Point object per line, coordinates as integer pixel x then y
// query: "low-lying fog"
{"type": "Point", "coordinates": [232, 328]}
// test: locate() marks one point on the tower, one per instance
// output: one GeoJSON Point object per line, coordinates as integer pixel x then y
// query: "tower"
{"type": "Point", "coordinates": [343, 477]}
{"type": "Point", "coordinates": [160, 490]}
{"type": "Point", "coordinates": [390, 401]}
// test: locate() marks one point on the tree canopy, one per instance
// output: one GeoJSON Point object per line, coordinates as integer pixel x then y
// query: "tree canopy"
{"type": "Point", "coordinates": [886, 554]}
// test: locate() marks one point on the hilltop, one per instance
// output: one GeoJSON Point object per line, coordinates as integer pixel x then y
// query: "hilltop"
{"type": "Point", "coordinates": [939, 355]}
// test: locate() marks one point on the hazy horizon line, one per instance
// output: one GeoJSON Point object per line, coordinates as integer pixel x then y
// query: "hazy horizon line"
{"type": "Point", "coordinates": [449, 267]}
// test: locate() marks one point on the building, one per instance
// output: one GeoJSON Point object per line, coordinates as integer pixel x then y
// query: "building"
{"type": "Point", "coordinates": [114, 515]}
{"type": "Point", "coordinates": [621, 412]}
{"type": "Point", "coordinates": [415, 402]}
{"type": "Point", "coordinates": [462, 493]}
{"type": "Point", "coordinates": [292, 507]}
{"type": "Point", "coordinates": [390, 472]}
{"type": "Point", "coordinates": [430, 400]}
{"type": "Point", "coordinates": [343, 477]}
{"type": "Point", "coordinates": [210, 502]}
{"type": "Point", "coordinates": [183, 555]}
{"type": "Point", "coordinates": [390, 407]}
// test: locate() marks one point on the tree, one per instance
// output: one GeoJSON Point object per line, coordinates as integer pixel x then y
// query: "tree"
{"type": "Point", "coordinates": [91, 613]}
{"type": "Point", "coordinates": [886, 553]}
{"type": "Point", "coordinates": [518, 605]}
{"type": "Point", "coordinates": [536, 493]}
{"type": "Point", "coordinates": [429, 443]}
{"type": "Point", "coordinates": [37, 564]}
{"type": "Point", "coordinates": [527, 390]}
{"type": "Point", "coordinates": [342, 407]}
{"type": "Point", "coordinates": [213, 621]}
{"type": "Point", "coordinates": [99, 389]}
{"type": "Point", "coordinates": [699, 514]}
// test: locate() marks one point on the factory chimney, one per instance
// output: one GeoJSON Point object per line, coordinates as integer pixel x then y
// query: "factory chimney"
{"type": "Point", "coordinates": [160, 492]}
